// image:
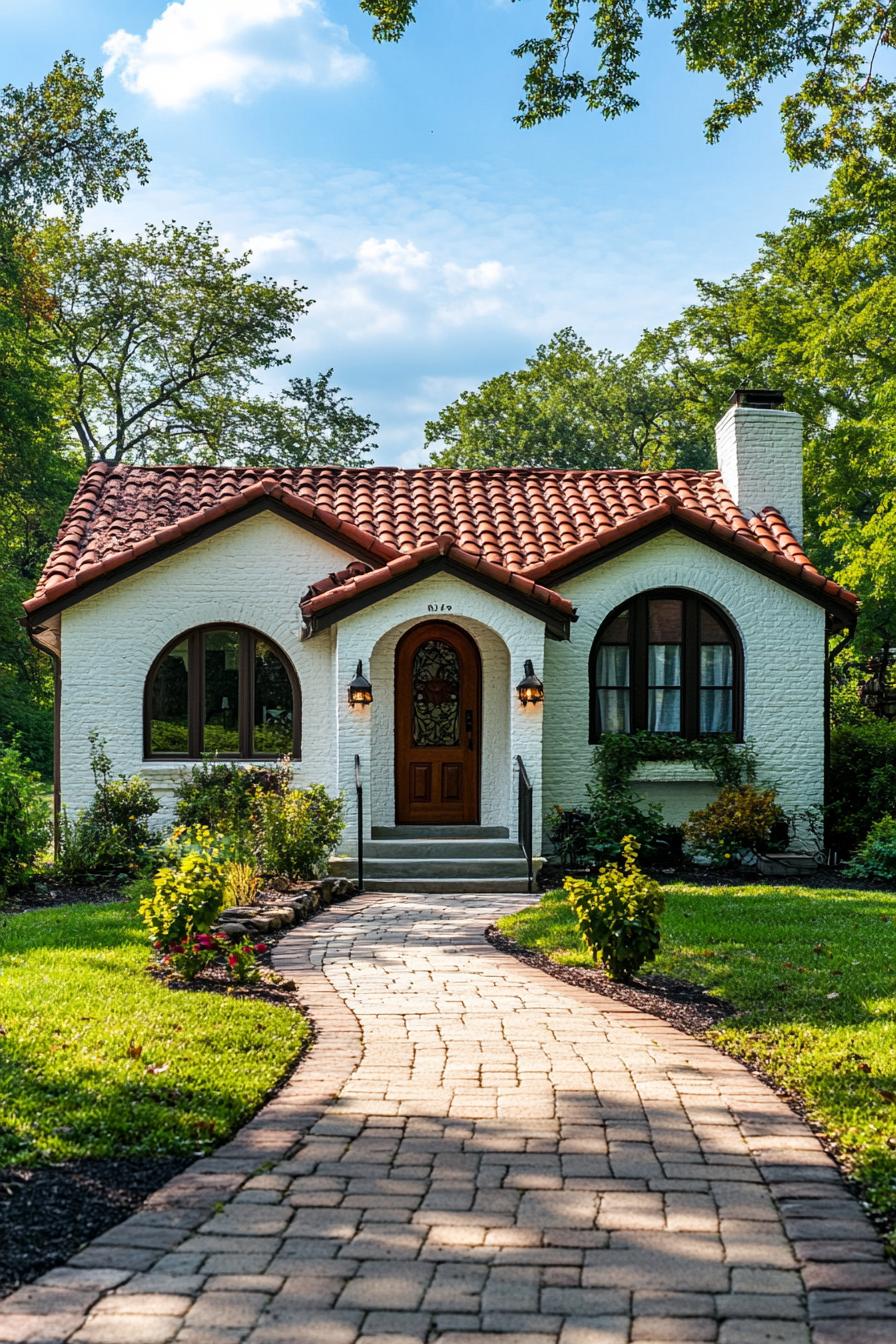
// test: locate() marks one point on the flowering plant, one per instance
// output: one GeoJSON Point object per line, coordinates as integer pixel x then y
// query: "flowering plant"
{"type": "Point", "coordinates": [242, 962]}
{"type": "Point", "coordinates": [192, 955]}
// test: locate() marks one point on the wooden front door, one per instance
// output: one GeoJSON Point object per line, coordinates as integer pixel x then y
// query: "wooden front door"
{"type": "Point", "coordinates": [437, 728]}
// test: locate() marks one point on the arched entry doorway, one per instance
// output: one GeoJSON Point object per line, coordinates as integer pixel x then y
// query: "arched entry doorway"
{"type": "Point", "coordinates": [438, 693]}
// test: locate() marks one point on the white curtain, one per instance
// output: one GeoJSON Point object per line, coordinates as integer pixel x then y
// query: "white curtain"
{"type": "Point", "coordinates": [614, 710]}
{"type": "Point", "coordinates": [664, 665]}
{"type": "Point", "coordinates": [612, 665]}
{"type": "Point", "coordinates": [716, 678]}
{"type": "Point", "coordinates": [716, 665]}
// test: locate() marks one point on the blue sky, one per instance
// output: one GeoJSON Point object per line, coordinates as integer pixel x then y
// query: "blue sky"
{"type": "Point", "coordinates": [439, 241]}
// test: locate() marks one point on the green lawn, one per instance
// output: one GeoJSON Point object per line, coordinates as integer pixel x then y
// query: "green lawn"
{"type": "Point", "coordinates": [814, 975]}
{"type": "Point", "coordinates": [98, 1059]}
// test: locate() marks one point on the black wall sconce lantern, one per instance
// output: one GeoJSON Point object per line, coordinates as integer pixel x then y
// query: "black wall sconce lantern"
{"type": "Point", "coordinates": [360, 691]}
{"type": "Point", "coordinates": [531, 689]}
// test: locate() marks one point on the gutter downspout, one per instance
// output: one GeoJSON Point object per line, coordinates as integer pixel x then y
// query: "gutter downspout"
{"type": "Point", "coordinates": [54, 653]}
{"type": "Point", "coordinates": [830, 655]}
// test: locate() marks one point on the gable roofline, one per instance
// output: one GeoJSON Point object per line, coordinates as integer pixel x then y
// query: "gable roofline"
{"type": "Point", "coordinates": [264, 496]}
{"type": "Point", "coordinates": [323, 609]}
{"type": "Point", "coordinates": [768, 560]}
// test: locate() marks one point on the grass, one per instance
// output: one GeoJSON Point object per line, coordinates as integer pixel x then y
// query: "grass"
{"type": "Point", "coordinates": [97, 1059]}
{"type": "Point", "coordinates": [813, 973]}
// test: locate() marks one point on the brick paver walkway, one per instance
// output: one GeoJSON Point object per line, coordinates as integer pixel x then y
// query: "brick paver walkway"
{"type": "Point", "coordinates": [490, 1156]}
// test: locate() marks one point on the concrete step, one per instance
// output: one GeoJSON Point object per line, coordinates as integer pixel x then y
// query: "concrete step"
{"type": "Point", "coordinates": [424, 850]}
{"type": "Point", "coordinates": [448, 886]}
{"type": "Point", "coordinates": [468, 869]}
{"type": "Point", "coordinates": [439, 832]}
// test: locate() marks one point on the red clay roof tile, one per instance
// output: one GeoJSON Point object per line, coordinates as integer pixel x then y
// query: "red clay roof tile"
{"type": "Point", "coordinates": [532, 523]}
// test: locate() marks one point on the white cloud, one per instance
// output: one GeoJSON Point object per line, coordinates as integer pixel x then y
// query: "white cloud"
{"type": "Point", "coordinates": [402, 262]}
{"type": "Point", "coordinates": [273, 244]}
{"type": "Point", "coordinates": [234, 47]}
{"type": "Point", "coordinates": [487, 275]}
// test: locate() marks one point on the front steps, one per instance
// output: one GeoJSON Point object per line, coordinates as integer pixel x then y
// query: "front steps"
{"type": "Point", "coordinates": [450, 859]}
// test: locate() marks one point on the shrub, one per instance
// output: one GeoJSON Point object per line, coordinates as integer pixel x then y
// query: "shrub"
{"type": "Point", "coordinates": [188, 890]}
{"type": "Point", "coordinates": [875, 859]}
{"type": "Point", "coordinates": [618, 913]}
{"type": "Point", "coordinates": [861, 780]}
{"type": "Point", "coordinates": [221, 794]}
{"type": "Point", "coordinates": [571, 833]}
{"type": "Point", "coordinates": [738, 821]}
{"type": "Point", "coordinates": [24, 820]}
{"type": "Point", "coordinates": [112, 837]}
{"type": "Point", "coordinates": [297, 831]}
{"type": "Point", "coordinates": [240, 883]}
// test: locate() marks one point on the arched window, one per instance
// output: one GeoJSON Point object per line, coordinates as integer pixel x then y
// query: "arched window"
{"type": "Point", "coordinates": [667, 661]}
{"type": "Point", "coordinates": [223, 690]}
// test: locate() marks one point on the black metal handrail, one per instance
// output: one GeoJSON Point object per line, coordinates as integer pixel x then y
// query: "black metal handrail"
{"type": "Point", "coordinates": [524, 815]}
{"type": "Point", "coordinates": [359, 803]}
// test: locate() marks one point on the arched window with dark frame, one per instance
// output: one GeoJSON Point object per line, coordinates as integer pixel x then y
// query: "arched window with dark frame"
{"type": "Point", "coordinates": [223, 690]}
{"type": "Point", "coordinates": [667, 661]}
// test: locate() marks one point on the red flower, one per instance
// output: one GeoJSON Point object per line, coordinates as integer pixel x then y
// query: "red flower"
{"type": "Point", "coordinates": [233, 960]}
{"type": "Point", "coordinates": [204, 941]}
{"type": "Point", "coordinates": [261, 947]}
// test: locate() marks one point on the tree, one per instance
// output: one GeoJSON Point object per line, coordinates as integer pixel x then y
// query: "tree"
{"type": "Point", "coordinates": [157, 336]}
{"type": "Point", "coordinates": [843, 107]}
{"type": "Point", "coordinates": [311, 422]}
{"type": "Point", "coordinates": [59, 147]}
{"type": "Point", "coordinates": [569, 406]}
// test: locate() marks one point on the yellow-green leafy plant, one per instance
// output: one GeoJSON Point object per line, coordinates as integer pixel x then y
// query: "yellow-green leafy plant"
{"type": "Point", "coordinates": [296, 832]}
{"type": "Point", "coordinates": [189, 889]}
{"type": "Point", "coordinates": [738, 822]}
{"type": "Point", "coordinates": [242, 883]}
{"type": "Point", "coordinates": [618, 913]}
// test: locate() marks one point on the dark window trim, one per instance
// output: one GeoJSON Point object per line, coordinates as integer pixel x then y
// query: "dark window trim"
{"type": "Point", "coordinates": [196, 695]}
{"type": "Point", "coordinates": [690, 665]}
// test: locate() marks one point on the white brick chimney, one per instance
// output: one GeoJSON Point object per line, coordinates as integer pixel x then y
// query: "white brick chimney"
{"type": "Point", "coordinates": [759, 447]}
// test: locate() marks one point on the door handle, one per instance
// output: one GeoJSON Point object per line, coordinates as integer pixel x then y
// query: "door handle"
{"type": "Point", "coordinates": [468, 723]}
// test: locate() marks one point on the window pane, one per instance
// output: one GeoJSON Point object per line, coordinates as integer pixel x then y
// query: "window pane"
{"type": "Point", "coordinates": [711, 630]}
{"type": "Point", "coordinates": [272, 730]}
{"type": "Point", "coordinates": [617, 631]}
{"type": "Point", "coordinates": [664, 621]}
{"type": "Point", "coordinates": [222, 689]}
{"type": "Point", "coordinates": [435, 679]}
{"type": "Point", "coordinates": [663, 711]}
{"type": "Point", "coordinates": [614, 711]}
{"type": "Point", "coordinates": [612, 665]}
{"type": "Point", "coordinates": [168, 726]}
{"type": "Point", "coordinates": [664, 664]}
{"type": "Point", "coordinates": [716, 711]}
{"type": "Point", "coordinates": [716, 665]}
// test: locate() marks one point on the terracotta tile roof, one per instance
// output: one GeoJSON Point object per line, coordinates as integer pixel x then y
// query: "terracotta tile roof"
{"type": "Point", "coordinates": [526, 523]}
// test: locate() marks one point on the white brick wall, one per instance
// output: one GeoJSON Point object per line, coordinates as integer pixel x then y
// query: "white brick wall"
{"type": "Point", "coordinates": [783, 636]}
{"type": "Point", "coordinates": [760, 456]}
{"type": "Point", "coordinates": [255, 573]}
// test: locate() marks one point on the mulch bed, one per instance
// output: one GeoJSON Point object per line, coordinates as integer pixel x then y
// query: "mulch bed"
{"type": "Point", "coordinates": [47, 895]}
{"type": "Point", "coordinates": [46, 1215]}
{"type": "Point", "coordinates": [686, 1005]}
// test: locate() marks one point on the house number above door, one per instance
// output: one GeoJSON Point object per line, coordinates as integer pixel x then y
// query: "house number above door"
{"type": "Point", "coordinates": [438, 606]}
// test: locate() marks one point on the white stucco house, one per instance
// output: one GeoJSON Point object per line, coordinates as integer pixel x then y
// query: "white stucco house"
{"type": "Point", "coordinates": [196, 610]}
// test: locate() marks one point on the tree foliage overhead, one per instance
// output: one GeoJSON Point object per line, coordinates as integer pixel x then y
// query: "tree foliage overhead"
{"type": "Point", "coordinates": [588, 51]}
{"type": "Point", "coordinates": [158, 336]}
{"type": "Point", "coordinates": [60, 147]}
{"type": "Point", "coordinates": [569, 406]}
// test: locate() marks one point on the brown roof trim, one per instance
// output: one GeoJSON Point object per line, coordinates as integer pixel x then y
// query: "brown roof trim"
{"type": "Point", "coordinates": [199, 526]}
{"type": "Point", "coordinates": [800, 578]}
{"type": "Point", "coordinates": [325, 609]}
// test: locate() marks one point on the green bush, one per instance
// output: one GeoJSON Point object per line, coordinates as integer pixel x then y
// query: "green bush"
{"type": "Point", "coordinates": [189, 888]}
{"type": "Point", "coordinates": [875, 858]}
{"type": "Point", "coordinates": [739, 821]}
{"type": "Point", "coordinates": [24, 820]}
{"type": "Point", "coordinates": [296, 832]}
{"type": "Point", "coordinates": [220, 794]}
{"type": "Point", "coordinates": [571, 833]}
{"type": "Point", "coordinates": [112, 837]}
{"type": "Point", "coordinates": [861, 781]}
{"type": "Point", "coordinates": [618, 913]}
